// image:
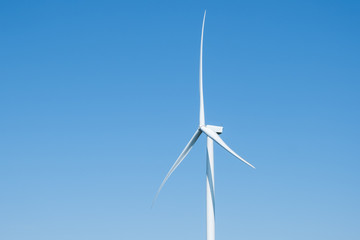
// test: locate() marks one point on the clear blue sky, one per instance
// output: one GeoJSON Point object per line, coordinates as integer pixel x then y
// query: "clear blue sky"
{"type": "Point", "coordinates": [98, 98]}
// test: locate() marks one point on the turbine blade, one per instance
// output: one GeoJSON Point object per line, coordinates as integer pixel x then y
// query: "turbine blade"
{"type": "Point", "coordinates": [218, 139]}
{"type": "Point", "coordinates": [179, 160]}
{"type": "Point", "coordinates": [202, 114]}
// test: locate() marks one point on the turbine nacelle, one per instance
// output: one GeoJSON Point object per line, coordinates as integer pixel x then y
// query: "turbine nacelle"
{"type": "Point", "coordinates": [216, 129]}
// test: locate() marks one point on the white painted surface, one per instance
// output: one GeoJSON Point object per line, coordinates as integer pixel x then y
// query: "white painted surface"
{"type": "Point", "coordinates": [212, 133]}
{"type": "Point", "coordinates": [179, 160]}
{"type": "Point", "coordinates": [202, 114]}
{"type": "Point", "coordinates": [210, 191]}
{"type": "Point", "coordinates": [218, 139]}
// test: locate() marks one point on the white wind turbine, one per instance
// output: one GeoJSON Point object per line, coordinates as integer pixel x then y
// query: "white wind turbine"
{"type": "Point", "coordinates": [212, 133]}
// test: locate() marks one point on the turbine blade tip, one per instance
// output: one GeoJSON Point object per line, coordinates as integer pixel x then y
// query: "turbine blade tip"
{"type": "Point", "coordinates": [251, 166]}
{"type": "Point", "coordinates": [154, 200]}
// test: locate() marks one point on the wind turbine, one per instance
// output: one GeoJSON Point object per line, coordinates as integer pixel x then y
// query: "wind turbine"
{"type": "Point", "coordinates": [212, 133]}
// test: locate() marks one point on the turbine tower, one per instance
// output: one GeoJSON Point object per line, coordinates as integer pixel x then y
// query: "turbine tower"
{"type": "Point", "coordinates": [212, 133]}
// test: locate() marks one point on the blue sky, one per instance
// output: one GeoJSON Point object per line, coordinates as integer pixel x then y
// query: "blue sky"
{"type": "Point", "coordinates": [98, 98]}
